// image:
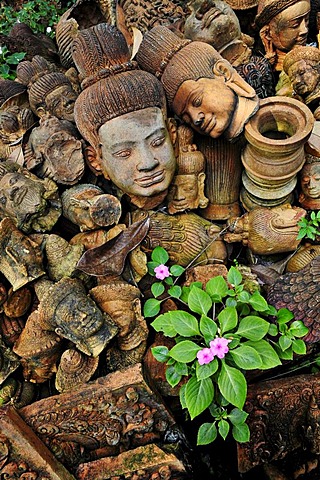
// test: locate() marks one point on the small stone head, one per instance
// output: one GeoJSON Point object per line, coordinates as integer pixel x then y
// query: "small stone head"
{"type": "Point", "coordinates": [310, 183]}
{"type": "Point", "coordinates": [302, 65]}
{"type": "Point", "coordinates": [121, 112]}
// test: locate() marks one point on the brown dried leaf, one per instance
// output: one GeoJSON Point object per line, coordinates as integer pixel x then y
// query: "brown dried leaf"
{"type": "Point", "coordinates": [109, 258]}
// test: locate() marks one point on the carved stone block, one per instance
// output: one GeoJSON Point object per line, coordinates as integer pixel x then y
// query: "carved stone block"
{"type": "Point", "coordinates": [113, 414]}
{"type": "Point", "coordinates": [147, 462]}
{"type": "Point", "coordinates": [22, 454]}
{"type": "Point", "coordinates": [283, 416]}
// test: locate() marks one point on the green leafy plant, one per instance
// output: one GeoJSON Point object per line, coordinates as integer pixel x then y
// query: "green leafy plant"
{"type": "Point", "coordinates": [221, 332]}
{"type": "Point", "coordinates": [8, 63]}
{"type": "Point", "coordinates": [40, 15]}
{"type": "Point", "coordinates": [309, 227]}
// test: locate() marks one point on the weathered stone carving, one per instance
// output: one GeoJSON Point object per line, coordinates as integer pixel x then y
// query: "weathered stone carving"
{"type": "Point", "coordinates": [299, 292]}
{"type": "Point", "coordinates": [9, 362]}
{"type": "Point", "coordinates": [281, 417]}
{"type": "Point", "coordinates": [114, 413]}
{"type": "Point", "coordinates": [282, 26]}
{"type": "Point", "coordinates": [89, 207]}
{"type": "Point", "coordinates": [267, 230]}
{"type": "Point", "coordinates": [193, 74]}
{"type": "Point", "coordinates": [309, 197]}
{"type": "Point", "coordinates": [54, 150]}
{"type": "Point", "coordinates": [129, 140]}
{"type": "Point", "coordinates": [75, 368]}
{"type": "Point", "coordinates": [22, 454]}
{"type": "Point", "coordinates": [141, 463]}
{"type": "Point", "coordinates": [302, 67]}
{"type": "Point", "coordinates": [50, 91]}
{"type": "Point", "coordinates": [187, 187]}
{"type": "Point", "coordinates": [32, 203]}
{"type": "Point", "coordinates": [217, 24]}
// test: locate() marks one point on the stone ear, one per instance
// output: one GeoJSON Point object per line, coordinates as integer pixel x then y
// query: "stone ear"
{"type": "Point", "coordinates": [231, 77]}
{"type": "Point", "coordinates": [93, 159]}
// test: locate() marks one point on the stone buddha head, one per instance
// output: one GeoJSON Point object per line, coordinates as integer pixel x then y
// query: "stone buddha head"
{"type": "Point", "coordinates": [202, 88]}
{"type": "Point", "coordinates": [49, 91]}
{"type": "Point", "coordinates": [302, 65]}
{"type": "Point", "coordinates": [282, 26]}
{"type": "Point", "coordinates": [121, 112]}
{"type": "Point", "coordinates": [309, 197]}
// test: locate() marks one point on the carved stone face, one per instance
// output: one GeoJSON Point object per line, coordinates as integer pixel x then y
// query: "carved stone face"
{"type": "Point", "coordinates": [290, 27]}
{"type": "Point", "coordinates": [304, 77]}
{"type": "Point", "coordinates": [186, 192]}
{"type": "Point", "coordinates": [310, 180]}
{"type": "Point", "coordinates": [206, 104]}
{"type": "Point", "coordinates": [137, 153]}
{"type": "Point", "coordinates": [20, 197]}
{"type": "Point", "coordinates": [60, 102]}
{"type": "Point", "coordinates": [212, 22]}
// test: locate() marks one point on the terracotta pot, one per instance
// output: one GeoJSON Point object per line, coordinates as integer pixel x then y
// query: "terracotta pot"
{"type": "Point", "coordinates": [275, 151]}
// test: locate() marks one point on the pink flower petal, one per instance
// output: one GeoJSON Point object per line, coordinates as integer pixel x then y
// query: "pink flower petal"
{"type": "Point", "coordinates": [161, 272]}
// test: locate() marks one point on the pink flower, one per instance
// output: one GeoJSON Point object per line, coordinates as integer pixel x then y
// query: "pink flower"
{"type": "Point", "coordinates": [205, 356]}
{"type": "Point", "coordinates": [219, 347]}
{"type": "Point", "coordinates": [162, 272]}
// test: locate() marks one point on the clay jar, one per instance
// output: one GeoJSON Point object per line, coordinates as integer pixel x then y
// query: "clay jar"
{"type": "Point", "coordinates": [275, 151]}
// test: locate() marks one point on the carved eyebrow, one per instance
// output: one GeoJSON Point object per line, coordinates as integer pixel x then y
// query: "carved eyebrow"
{"type": "Point", "coordinates": [159, 131]}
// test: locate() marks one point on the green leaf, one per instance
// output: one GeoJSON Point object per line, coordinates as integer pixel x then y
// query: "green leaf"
{"type": "Point", "coordinates": [217, 286]}
{"type": "Point", "coordinates": [285, 342]}
{"type": "Point", "coordinates": [176, 270]}
{"type": "Point", "coordinates": [284, 316]}
{"type": "Point", "coordinates": [272, 311]}
{"type": "Point", "coordinates": [208, 327]}
{"type": "Point", "coordinates": [184, 323]}
{"type": "Point", "coordinates": [207, 434]}
{"type": "Point", "coordinates": [172, 377]}
{"type": "Point", "coordinates": [241, 433]}
{"type": "Point", "coordinates": [237, 417]}
{"type": "Point", "coordinates": [284, 355]}
{"type": "Point", "coordinates": [181, 368]}
{"type": "Point", "coordinates": [157, 289]}
{"type": "Point", "coordinates": [175, 291]}
{"type": "Point", "coordinates": [246, 357]}
{"type": "Point", "coordinates": [253, 328]}
{"type": "Point", "coordinates": [182, 396]}
{"type": "Point", "coordinates": [232, 385]}
{"type": "Point", "coordinates": [273, 330]}
{"type": "Point", "coordinates": [228, 319]}
{"type": "Point", "coordinates": [224, 428]}
{"type": "Point", "coordinates": [206, 370]}
{"type": "Point", "coordinates": [151, 307]}
{"type": "Point", "coordinates": [298, 329]}
{"type": "Point", "coordinates": [151, 266]}
{"type": "Point", "coordinates": [231, 302]}
{"type": "Point", "coordinates": [258, 303]}
{"type": "Point", "coordinates": [199, 395]}
{"type": "Point", "coordinates": [168, 280]}
{"type": "Point", "coordinates": [244, 297]}
{"type": "Point", "coordinates": [160, 353]}
{"type": "Point", "coordinates": [185, 294]}
{"type": "Point", "coordinates": [268, 355]}
{"type": "Point", "coordinates": [160, 255]}
{"type": "Point", "coordinates": [234, 277]}
{"type": "Point", "coordinates": [299, 347]}
{"type": "Point", "coordinates": [185, 351]}
{"type": "Point", "coordinates": [163, 323]}
{"type": "Point", "coordinates": [199, 301]}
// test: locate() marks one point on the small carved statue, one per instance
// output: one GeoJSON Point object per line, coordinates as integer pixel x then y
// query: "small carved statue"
{"type": "Point", "coordinates": [217, 24]}
{"type": "Point", "coordinates": [14, 122]}
{"type": "Point", "coordinates": [75, 369]}
{"type": "Point", "coordinates": [49, 91]}
{"type": "Point", "coordinates": [87, 206]}
{"type": "Point", "coordinates": [66, 309]}
{"type": "Point", "coordinates": [202, 88]}
{"type": "Point", "coordinates": [9, 89]}
{"type": "Point", "coordinates": [54, 150]}
{"type": "Point", "coordinates": [267, 230]}
{"type": "Point", "coordinates": [187, 237]}
{"type": "Point", "coordinates": [282, 26]}
{"type": "Point", "coordinates": [302, 65]}
{"type": "Point", "coordinates": [309, 197]}
{"type": "Point", "coordinates": [32, 203]}
{"type": "Point", "coordinates": [121, 112]}
{"type": "Point", "coordinates": [121, 301]}
{"type": "Point", "coordinates": [186, 191]}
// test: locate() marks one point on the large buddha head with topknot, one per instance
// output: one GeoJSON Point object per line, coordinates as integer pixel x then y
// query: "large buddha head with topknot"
{"type": "Point", "coordinates": [121, 112]}
{"type": "Point", "coordinates": [202, 88]}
